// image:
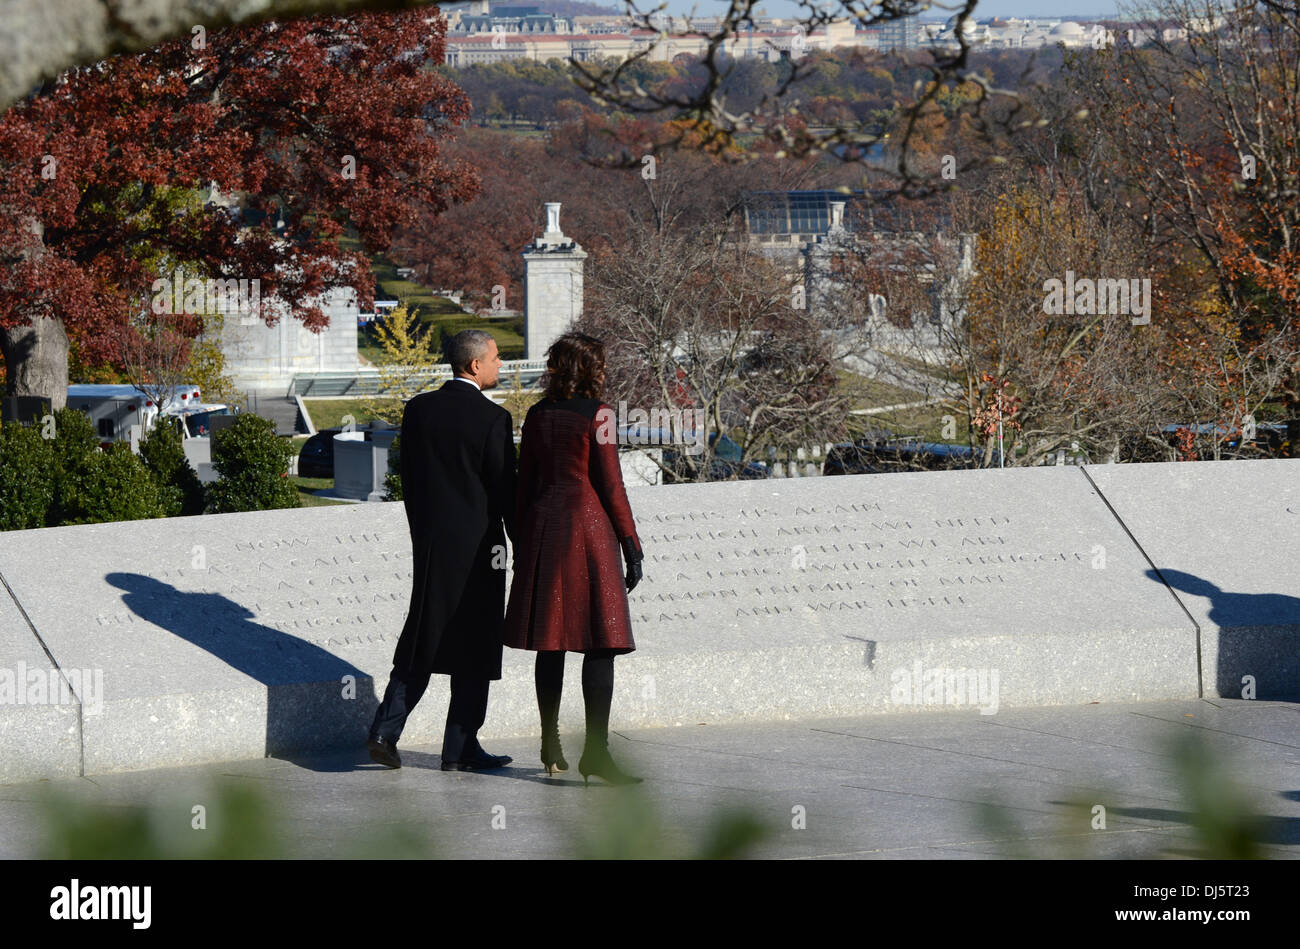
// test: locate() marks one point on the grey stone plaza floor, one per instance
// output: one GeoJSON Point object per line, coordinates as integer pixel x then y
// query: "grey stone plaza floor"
{"type": "Point", "coordinates": [949, 785]}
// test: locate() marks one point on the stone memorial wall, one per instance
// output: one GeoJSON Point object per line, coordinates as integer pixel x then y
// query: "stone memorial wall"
{"type": "Point", "coordinates": [1225, 539]}
{"type": "Point", "coordinates": [233, 636]}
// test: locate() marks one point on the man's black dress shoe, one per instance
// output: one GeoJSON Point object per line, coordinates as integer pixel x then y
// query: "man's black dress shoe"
{"type": "Point", "coordinates": [481, 762]}
{"type": "Point", "coordinates": [384, 751]}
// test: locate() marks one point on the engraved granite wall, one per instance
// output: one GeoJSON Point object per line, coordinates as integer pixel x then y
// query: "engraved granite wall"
{"type": "Point", "coordinates": [240, 635]}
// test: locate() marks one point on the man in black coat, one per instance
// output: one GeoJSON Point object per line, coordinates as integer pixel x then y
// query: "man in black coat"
{"type": "Point", "coordinates": [458, 485]}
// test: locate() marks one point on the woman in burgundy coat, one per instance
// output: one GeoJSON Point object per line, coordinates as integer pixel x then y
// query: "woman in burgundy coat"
{"type": "Point", "coordinates": [569, 592]}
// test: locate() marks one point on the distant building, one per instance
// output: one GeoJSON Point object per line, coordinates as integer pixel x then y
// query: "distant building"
{"type": "Point", "coordinates": [478, 42]}
{"type": "Point", "coordinates": [528, 32]}
{"type": "Point", "coordinates": [900, 34]}
{"type": "Point", "coordinates": [798, 217]}
{"type": "Point", "coordinates": [512, 19]}
{"type": "Point", "coordinates": [805, 231]}
{"type": "Point", "coordinates": [1013, 33]}
{"type": "Point", "coordinates": [262, 357]}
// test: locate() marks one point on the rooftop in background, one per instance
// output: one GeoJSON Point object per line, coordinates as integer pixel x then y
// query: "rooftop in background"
{"type": "Point", "coordinates": [809, 212]}
{"type": "Point", "coordinates": [511, 10]}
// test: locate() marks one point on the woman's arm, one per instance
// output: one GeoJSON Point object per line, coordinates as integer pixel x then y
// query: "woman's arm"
{"type": "Point", "coordinates": [607, 475]}
{"type": "Point", "coordinates": [607, 479]}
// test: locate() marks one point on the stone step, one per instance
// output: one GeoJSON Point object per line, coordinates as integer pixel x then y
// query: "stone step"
{"type": "Point", "coordinates": [272, 404]}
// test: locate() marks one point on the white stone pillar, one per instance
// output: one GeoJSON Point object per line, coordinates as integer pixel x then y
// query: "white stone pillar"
{"type": "Point", "coordinates": [553, 272]}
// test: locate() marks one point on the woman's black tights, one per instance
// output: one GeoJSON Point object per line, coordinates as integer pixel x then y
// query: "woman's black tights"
{"type": "Point", "coordinates": [597, 691]}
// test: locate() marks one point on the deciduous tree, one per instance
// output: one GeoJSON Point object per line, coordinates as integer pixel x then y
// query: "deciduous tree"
{"type": "Point", "coordinates": [320, 128]}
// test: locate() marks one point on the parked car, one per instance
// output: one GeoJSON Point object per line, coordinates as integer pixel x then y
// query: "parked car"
{"type": "Point", "coordinates": [877, 456]}
{"type": "Point", "coordinates": [1270, 437]}
{"type": "Point", "coordinates": [856, 457]}
{"type": "Point", "coordinates": [316, 457]}
{"type": "Point", "coordinates": [725, 465]}
{"type": "Point", "coordinates": [113, 409]}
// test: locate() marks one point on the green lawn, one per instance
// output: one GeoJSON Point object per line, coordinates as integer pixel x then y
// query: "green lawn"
{"type": "Point", "coordinates": [443, 316]}
{"type": "Point", "coordinates": [367, 350]}
{"type": "Point", "coordinates": [329, 413]}
{"type": "Point", "coordinates": [926, 422]}
{"type": "Point", "coordinates": [944, 373]}
{"type": "Point", "coordinates": [307, 485]}
{"type": "Point", "coordinates": [868, 393]}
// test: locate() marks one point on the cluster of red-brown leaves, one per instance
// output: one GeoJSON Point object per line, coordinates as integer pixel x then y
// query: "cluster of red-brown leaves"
{"type": "Point", "coordinates": [333, 126]}
{"type": "Point", "coordinates": [997, 405]}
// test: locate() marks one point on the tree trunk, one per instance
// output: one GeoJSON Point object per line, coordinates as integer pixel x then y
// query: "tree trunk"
{"type": "Point", "coordinates": [36, 359]}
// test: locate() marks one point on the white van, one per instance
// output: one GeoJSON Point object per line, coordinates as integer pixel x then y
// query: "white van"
{"type": "Point", "coordinates": [114, 409]}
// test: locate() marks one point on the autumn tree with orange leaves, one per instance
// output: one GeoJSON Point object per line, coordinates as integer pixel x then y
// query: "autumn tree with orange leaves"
{"type": "Point", "coordinates": [1204, 133]}
{"type": "Point", "coordinates": [1079, 382]}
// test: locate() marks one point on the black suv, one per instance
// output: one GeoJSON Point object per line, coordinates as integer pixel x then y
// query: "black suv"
{"type": "Point", "coordinates": [316, 458]}
{"type": "Point", "coordinates": [880, 454]}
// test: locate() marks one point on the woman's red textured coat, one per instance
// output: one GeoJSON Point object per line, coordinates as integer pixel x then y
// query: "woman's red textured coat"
{"type": "Point", "coordinates": [568, 590]}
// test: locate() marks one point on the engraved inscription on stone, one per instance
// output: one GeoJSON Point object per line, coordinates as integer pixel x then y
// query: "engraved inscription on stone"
{"type": "Point", "coordinates": [333, 590]}
{"type": "Point", "coordinates": [834, 558]}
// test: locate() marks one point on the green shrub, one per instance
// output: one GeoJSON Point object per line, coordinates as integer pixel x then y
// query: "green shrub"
{"type": "Point", "coordinates": [113, 485]}
{"type": "Point", "coordinates": [26, 476]}
{"type": "Point", "coordinates": [93, 486]}
{"type": "Point", "coordinates": [67, 479]}
{"type": "Point", "coordinates": [75, 444]}
{"type": "Point", "coordinates": [393, 479]}
{"type": "Point", "coordinates": [179, 490]}
{"type": "Point", "coordinates": [252, 463]}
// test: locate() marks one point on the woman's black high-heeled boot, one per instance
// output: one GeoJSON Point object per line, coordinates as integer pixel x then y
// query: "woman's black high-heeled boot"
{"type": "Point", "coordinates": [548, 675]}
{"type": "Point", "coordinates": [598, 761]}
{"type": "Point", "coordinates": [598, 695]}
{"type": "Point", "coordinates": [552, 754]}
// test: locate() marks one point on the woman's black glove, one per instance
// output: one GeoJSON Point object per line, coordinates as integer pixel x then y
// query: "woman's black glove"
{"type": "Point", "coordinates": [633, 556]}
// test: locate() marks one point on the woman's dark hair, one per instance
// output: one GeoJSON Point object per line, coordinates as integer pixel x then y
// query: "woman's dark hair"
{"type": "Point", "coordinates": [575, 366]}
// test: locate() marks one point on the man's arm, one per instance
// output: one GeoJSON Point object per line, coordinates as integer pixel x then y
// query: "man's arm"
{"type": "Point", "coordinates": [411, 452]}
{"type": "Point", "coordinates": [499, 473]}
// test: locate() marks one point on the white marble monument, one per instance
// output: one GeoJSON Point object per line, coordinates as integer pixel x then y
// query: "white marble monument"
{"type": "Point", "coordinates": [553, 269]}
{"type": "Point", "coordinates": [258, 356]}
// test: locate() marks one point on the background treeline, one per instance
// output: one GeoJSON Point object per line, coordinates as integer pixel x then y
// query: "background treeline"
{"type": "Point", "coordinates": [841, 84]}
{"type": "Point", "coordinates": [1177, 164]}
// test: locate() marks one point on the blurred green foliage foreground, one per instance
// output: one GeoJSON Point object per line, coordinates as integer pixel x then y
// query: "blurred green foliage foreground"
{"type": "Point", "coordinates": [1221, 812]}
{"type": "Point", "coordinates": [233, 820]}
{"type": "Point", "coordinates": [236, 821]}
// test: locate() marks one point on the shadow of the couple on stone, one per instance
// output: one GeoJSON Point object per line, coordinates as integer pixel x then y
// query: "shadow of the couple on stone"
{"type": "Point", "coordinates": [1271, 829]}
{"type": "Point", "coordinates": [1259, 636]}
{"type": "Point", "coordinates": [312, 705]}
{"type": "Point", "coordinates": [346, 760]}
{"type": "Point", "coordinates": [1250, 830]}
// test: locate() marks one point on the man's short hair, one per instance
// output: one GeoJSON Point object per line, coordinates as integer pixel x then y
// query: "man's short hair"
{"type": "Point", "coordinates": [465, 347]}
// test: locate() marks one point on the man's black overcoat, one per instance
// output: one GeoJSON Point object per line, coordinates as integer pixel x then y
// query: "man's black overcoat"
{"type": "Point", "coordinates": [458, 485]}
